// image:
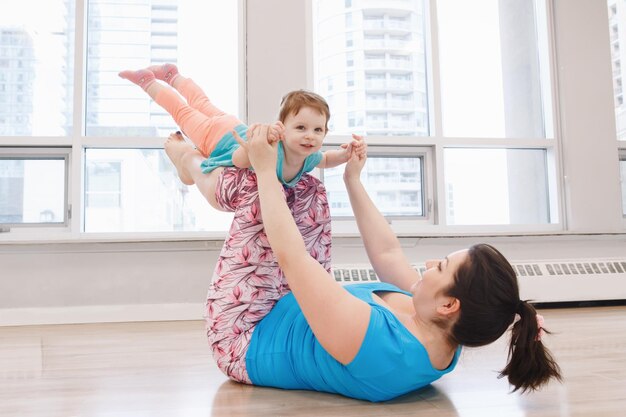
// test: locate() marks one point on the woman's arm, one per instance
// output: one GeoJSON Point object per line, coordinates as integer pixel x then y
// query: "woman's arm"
{"type": "Point", "coordinates": [382, 246]}
{"type": "Point", "coordinates": [338, 319]}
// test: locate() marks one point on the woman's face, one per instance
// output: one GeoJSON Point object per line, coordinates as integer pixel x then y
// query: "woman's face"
{"type": "Point", "coordinates": [429, 292]}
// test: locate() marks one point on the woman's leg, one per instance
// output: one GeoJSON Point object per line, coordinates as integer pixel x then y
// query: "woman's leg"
{"type": "Point", "coordinates": [247, 282]}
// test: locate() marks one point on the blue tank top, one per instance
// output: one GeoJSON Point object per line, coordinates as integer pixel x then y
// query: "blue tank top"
{"type": "Point", "coordinates": [222, 156]}
{"type": "Point", "coordinates": [284, 353]}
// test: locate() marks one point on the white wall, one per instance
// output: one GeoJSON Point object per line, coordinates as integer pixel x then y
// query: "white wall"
{"type": "Point", "coordinates": [96, 282]}
{"type": "Point", "coordinates": [277, 54]}
{"type": "Point", "coordinates": [587, 116]}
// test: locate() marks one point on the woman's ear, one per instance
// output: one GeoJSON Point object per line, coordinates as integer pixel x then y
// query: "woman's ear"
{"type": "Point", "coordinates": [449, 306]}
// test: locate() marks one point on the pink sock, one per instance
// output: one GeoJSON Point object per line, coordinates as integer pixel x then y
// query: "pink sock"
{"type": "Point", "coordinates": [143, 77]}
{"type": "Point", "coordinates": [165, 72]}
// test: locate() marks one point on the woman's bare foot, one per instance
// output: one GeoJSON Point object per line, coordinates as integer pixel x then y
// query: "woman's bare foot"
{"type": "Point", "coordinates": [176, 149]}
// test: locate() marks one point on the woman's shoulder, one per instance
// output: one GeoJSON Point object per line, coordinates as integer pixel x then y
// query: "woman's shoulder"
{"type": "Point", "coordinates": [371, 287]}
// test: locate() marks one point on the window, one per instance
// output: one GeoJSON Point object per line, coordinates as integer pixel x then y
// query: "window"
{"type": "Point", "coordinates": [137, 190]}
{"type": "Point", "coordinates": [350, 79]}
{"type": "Point", "coordinates": [27, 200]}
{"type": "Point", "coordinates": [404, 89]}
{"type": "Point", "coordinates": [617, 22]}
{"type": "Point", "coordinates": [496, 186]}
{"type": "Point", "coordinates": [490, 70]}
{"type": "Point", "coordinates": [390, 54]}
{"type": "Point", "coordinates": [349, 60]}
{"type": "Point", "coordinates": [492, 62]}
{"type": "Point", "coordinates": [125, 184]}
{"type": "Point", "coordinates": [396, 182]}
{"type": "Point", "coordinates": [103, 185]}
{"type": "Point", "coordinates": [381, 176]}
{"type": "Point", "coordinates": [37, 67]}
{"type": "Point", "coordinates": [151, 32]}
{"type": "Point", "coordinates": [622, 169]}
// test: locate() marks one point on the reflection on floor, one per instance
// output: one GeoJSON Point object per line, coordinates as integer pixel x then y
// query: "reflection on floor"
{"type": "Point", "coordinates": [165, 369]}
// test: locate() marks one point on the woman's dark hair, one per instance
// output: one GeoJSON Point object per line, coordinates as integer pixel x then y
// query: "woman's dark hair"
{"type": "Point", "coordinates": [486, 286]}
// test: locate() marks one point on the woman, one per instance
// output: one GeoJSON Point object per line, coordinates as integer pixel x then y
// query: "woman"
{"type": "Point", "coordinates": [367, 341]}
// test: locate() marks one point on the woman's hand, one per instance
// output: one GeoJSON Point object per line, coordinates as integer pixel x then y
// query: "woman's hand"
{"type": "Point", "coordinates": [355, 164]}
{"type": "Point", "coordinates": [261, 152]}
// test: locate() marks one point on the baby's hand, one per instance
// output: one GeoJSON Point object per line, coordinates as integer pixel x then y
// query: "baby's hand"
{"type": "Point", "coordinates": [355, 147]}
{"type": "Point", "coordinates": [359, 148]}
{"type": "Point", "coordinates": [357, 160]}
{"type": "Point", "coordinates": [276, 132]}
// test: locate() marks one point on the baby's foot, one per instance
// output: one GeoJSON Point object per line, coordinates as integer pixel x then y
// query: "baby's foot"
{"type": "Point", "coordinates": [165, 72]}
{"type": "Point", "coordinates": [143, 77]}
{"type": "Point", "coordinates": [176, 148]}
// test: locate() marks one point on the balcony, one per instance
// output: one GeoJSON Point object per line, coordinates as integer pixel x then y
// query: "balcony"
{"type": "Point", "coordinates": [388, 5]}
{"type": "Point", "coordinates": [388, 64]}
{"type": "Point", "coordinates": [385, 24]}
{"type": "Point", "coordinates": [376, 104]}
{"type": "Point", "coordinates": [386, 44]}
{"type": "Point", "coordinates": [404, 64]}
{"type": "Point", "coordinates": [402, 85]}
{"type": "Point", "coordinates": [376, 84]}
{"type": "Point", "coordinates": [375, 63]}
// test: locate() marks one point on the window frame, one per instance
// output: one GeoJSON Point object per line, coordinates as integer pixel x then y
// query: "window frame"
{"type": "Point", "coordinates": [381, 150]}
{"type": "Point", "coordinates": [261, 88]}
{"type": "Point", "coordinates": [437, 223]}
{"type": "Point", "coordinates": [622, 158]}
{"type": "Point", "coordinates": [77, 143]}
{"type": "Point", "coordinates": [28, 153]}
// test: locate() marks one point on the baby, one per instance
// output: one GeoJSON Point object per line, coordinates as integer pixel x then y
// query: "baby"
{"type": "Point", "coordinates": [301, 129]}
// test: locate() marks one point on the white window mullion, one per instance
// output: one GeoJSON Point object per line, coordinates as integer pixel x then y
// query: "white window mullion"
{"type": "Point", "coordinates": [555, 165]}
{"type": "Point", "coordinates": [242, 17]}
{"type": "Point", "coordinates": [439, 193]}
{"type": "Point", "coordinates": [77, 157]}
{"type": "Point", "coordinates": [434, 78]}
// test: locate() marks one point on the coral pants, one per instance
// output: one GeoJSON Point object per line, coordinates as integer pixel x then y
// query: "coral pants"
{"type": "Point", "coordinates": [199, 119]}
{"type": "Point", "coordinates": [247, 281]}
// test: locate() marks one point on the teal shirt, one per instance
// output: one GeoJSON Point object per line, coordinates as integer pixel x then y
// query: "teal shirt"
{"type": "Point", "coordinates": [284, 353]}
{"type": "Point", "coordinates": [222, 156]}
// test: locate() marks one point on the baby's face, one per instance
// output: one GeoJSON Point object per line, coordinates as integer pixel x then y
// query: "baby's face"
{"type": "Point", "coordinates": [304, 132]}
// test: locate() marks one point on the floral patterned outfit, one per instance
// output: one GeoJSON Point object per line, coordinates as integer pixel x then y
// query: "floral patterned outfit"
{"type": "Point", "coordinates": [247, 281]}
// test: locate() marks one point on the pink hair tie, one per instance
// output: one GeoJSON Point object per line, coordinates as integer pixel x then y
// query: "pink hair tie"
{"type": "Point", "coordinates": [540, 332]}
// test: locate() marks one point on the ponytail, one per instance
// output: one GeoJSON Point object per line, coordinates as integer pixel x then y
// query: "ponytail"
{"type": "Point", "coordinates": [530, 363]}
{"type": "Point", "coordinates": [486, 286]}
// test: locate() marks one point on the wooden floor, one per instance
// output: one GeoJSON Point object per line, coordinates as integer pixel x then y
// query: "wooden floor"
{"type": "Point", "coordinates": [165, 369]}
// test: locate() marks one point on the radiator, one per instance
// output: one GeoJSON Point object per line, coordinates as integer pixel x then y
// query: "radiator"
{"type": "Point", "coordinates": [545, 281]}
